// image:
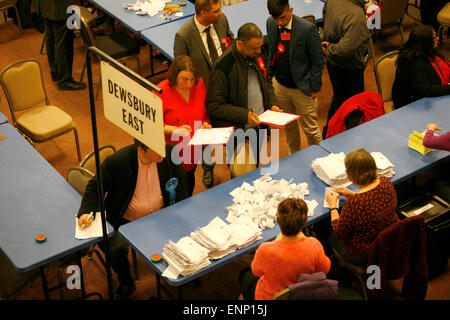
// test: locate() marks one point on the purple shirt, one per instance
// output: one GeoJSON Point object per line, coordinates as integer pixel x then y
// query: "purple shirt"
{"type": "Point", "coordinates": [441, 142]}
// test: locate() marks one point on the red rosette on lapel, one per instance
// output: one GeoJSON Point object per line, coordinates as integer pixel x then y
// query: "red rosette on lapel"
{"type": "Point", "coordinates": [226, 42]}
{"type": "Point", "coordinates": [263, 68]}
{"type": "Point", "coordinates": [280, 49]}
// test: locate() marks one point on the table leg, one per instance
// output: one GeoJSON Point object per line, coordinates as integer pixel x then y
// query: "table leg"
{"type": "Point", "coordinates": [44, 283]}
{"type": "Point", "coordinates": [158, 286]}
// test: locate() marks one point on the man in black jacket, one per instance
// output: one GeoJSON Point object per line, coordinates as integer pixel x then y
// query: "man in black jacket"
{"type": "Point", "coordinates": [134, 179]}
{"type": "Point", "coordinates": [59, 42]}
{"type": "Point", "coordinates": [239, 90]}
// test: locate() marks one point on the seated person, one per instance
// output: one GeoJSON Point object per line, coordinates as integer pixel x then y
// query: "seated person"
{"type": "Point", "coordinates": [183, 99]}
{"type": "Point", "coordinates": [360, 108]}
{"type": "Point", "coordinates": [134, 180]}
{"type": "Point", "coordinates": [366, 212]}
{"type": "Point", "coordinates": [280, 263]}
{"type": "Point", "coordinates": [421, 71]}
{"type": "Point", "coordinates": [442, 142]}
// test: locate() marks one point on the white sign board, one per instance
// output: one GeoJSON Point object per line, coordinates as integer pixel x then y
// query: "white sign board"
{"type": "Point", "coordinates": [133, 108]}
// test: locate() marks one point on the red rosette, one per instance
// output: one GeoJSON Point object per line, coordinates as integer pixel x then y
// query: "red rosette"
{"type": "Point", "coordinates": [263, 68]}
{"type": "Point", "coordinates": [226, 42]}
{"type": "Point", "coordinates": [280, 49]}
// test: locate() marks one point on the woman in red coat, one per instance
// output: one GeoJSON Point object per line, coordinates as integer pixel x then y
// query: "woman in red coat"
{"type": "Point", "coordinates": [183, 99]}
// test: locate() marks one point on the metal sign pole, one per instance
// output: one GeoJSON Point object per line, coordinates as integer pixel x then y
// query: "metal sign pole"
{"type": "Point", "coordinates": [144, 83]}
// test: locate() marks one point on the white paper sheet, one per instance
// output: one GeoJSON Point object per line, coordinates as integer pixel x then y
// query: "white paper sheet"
{"type": "Point", "coordinates": [278, 119]}
{"type": "Point", "coordinates": [93, 231]}
{"type": "Point", "coordinates": [214, 136]}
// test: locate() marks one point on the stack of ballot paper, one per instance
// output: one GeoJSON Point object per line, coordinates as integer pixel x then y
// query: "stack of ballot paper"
{"type": "Point", "coordinates": [244, 231]}
{"type": "Point", "coordinates": [416, 142]}
{"type": "Point", "coordinates": [385, 168]}
{"type": "Point", "coordinates": [215, 237]}
{"type": "Point", "coordinates": [331, 170]}
{"type": "Point", "coordinates": [144, 7]}
{"type": "Point", "coordinates": [186, 256]}
{"type": "Point", "coordinates": [260, 201]}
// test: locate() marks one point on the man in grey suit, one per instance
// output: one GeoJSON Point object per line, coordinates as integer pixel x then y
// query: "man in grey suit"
{"type": "Point", "coordinates": [204, 38]}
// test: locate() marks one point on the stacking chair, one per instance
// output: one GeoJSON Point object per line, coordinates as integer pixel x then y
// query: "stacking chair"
{"type": "Point", "coordinates": [5, 4]}
{"type": "Point", "coordinates": [88, 161]}
{"type": "Point", "coordinates": [310, 287]}
{"type": "Point", "coordinates": [400, 253]}
{"type": "Point", "coordinates": [384, 70]}
{"type": "Point", "coordinates": [443, 18]}
{"type": "Point", "coordinates": [393, 14]}
{"type": "Point", "coordinates": [309, 17]}
{"type": "Point", "coordinates": [25, 91]}
{"type": "Point", "coordinates": [118, 45]}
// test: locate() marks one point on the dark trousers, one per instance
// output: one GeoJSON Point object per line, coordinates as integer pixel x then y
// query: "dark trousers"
{"type": "Point", "coordinates": [248, 282]}
{"type": "Point", "coordinates": [346, 84]}
{"type": "Point", "coordinates": [59, 45]}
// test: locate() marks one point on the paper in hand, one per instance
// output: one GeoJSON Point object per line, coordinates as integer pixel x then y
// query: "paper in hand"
{"type": "Point", "coordinates": [93, 231]}
{"type": "Point", "coordinates": [331, 190]}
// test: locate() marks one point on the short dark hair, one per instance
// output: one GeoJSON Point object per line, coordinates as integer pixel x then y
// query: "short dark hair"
{"type": "Point", "coordinates": [249, 31]}
{"type": "Point", "coordinates": [291, 216]}
{"type": "Point", "coordinates": [276, 7]}
{"type": "Point", "coordinates": [181, 63]}
{"type": "Point", "coordinates": [204, 5]}
{"type": "Point", "coordinates": [137, 143]}
{"type": "Point", "coordinates": [361, 167]}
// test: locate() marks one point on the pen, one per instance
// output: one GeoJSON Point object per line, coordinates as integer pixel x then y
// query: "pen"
{"type": "Point", "coordinates": [180, 121]}
{"type": "Point", "coordinates": [90, 216]}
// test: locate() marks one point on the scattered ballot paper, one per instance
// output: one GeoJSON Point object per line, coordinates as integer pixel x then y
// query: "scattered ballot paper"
{"type": "Point", "coordinates": [416, 142]}
{"type": "Point", "coordinates": [277, 119]}
{"type": "Point", "coordinates": [93, 231]}
{"type": "Point", "coordinates": [214, 136]}
{"type": "Point", "coordinates": [331, 190]}
{"type": "Point", "coordinates": [146, 7]}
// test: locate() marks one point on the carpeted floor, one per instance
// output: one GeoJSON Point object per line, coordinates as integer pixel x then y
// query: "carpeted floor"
{"type": "Point", "coordinates": [61, 153]}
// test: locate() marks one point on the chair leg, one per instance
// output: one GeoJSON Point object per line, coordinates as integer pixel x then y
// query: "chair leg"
{"type": "Point", "coordinates": [19, 24]}
{"type": "Point", "coordinates": [82, 70]}
{"type": "Point", "coordinates": [77, 143]}
{"type": "Point", "coordinates": [136, 272]}
{"type": "Point", "coordinates": [97, 91]}
{"type": "Point", "coordinates": [42, 45]}
{"type": "Point", "coordinates": [138, 64]}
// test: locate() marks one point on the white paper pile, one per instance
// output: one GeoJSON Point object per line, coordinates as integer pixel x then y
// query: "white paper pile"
{"type": "Point", "coordinates": [385, 168]}
{"type": "Point", "coordinates": [244, 232]}
{"type": "Point", "coordinates": [215, 237]}
{"type": "Point", "coordinates": [186, 256]}
{"type": "Point", "coordinates": [260, 201]}
{"type": "Point", "coordinates": [331, 170]}
{"type": "Point", "coordinates": [144, 7]}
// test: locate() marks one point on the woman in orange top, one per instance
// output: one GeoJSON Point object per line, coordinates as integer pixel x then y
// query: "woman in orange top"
{"type": "Point", "coordinates": [183, 99]}
{"type": "Point", "coordinates": [280, 263]}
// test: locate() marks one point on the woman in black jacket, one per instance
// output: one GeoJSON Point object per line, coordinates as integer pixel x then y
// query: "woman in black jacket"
{"type": "Point", "coordinates": [421, 71]}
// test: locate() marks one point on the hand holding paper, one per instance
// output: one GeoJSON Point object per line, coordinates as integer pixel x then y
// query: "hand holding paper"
{"type": "Point", "coordinates": [277, 118]}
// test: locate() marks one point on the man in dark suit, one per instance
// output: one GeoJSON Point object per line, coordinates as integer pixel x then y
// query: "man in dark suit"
{"type": "Point", "coordinates": [204, 38]}
{"type": "Point", "coordinates": [59, 42]}
{"type": "Point", "coordinates": [134, 182]}
{"type": "Point", "coordinates": [295, 64]}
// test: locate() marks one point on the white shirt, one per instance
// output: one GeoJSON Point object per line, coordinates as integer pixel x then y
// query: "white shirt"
{"type": "Point", "coordinates": [289, 25]}
{"type": "Point", "coordinates": [201, 28]}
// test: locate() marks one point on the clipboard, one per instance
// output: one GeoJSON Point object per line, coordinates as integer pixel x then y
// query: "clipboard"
{"type": "Point", "coordinates": [277, 119]}
{"type": "Point", "coordinates": [213, 136]}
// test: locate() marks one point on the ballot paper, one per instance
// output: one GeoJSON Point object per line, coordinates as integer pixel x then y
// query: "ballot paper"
{"type": "Point", "coordinates": [93, 231]}
{"type": "Point", "coordinates": [331, 170]}
{"type": "Point", "coordinates": [384, 166]}
{"type": "Point", "coordinates": [332, 190]}
{"type": "Point", "coordinates": [277, 119]}
{"type": "Point", "coordinates": [214, 136]}
{"type": "Point", "coordinates": [146, 7]}
{"type": "Point", "coordinates": [312, 204]}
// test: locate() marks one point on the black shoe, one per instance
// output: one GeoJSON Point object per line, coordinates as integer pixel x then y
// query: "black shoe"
{"type": "Point", "coordinates": [208, 176]}
{"type": "Point", "coordinates": [124, 291]}
{"type": "Point", "coordinates": [54, 77]}
{"type": "Point", "coordinates": [71, 85]}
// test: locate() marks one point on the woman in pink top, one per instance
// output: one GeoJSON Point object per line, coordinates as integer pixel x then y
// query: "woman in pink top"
{"type": "Point", "coordinates": [441, 142]}
{"type": "Point", "coordinates": [183, 99]}
{"type": "Point", "coordinates": [280, 263]}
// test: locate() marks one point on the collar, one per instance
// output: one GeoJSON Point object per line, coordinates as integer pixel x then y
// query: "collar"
{"type": "Point", "coordinates": [289, 25]}
{"type": "Point", "coordinates": [200, 27]}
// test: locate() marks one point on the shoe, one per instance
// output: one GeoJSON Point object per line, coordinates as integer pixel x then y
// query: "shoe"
{"type": "Point", "coordinates": [124, 291]}
{"type": "Point", "coordinates": [208, 176]}
{"type": "Point", "coordinates": [71, 85]}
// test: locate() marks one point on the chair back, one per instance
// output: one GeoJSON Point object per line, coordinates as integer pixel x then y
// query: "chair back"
{"type": "Point", "coordinates": [88, 162]}
{"type": "Point", "coordinates": [87, 19]}
{"type": "Point", "coordinates": [23, 84]}
{"type": "Point", "coordinates": [283, 294]}
{"type": "Point", "coordinates": [309, 17]}
{"type": "Point", "coordinates": [393, 11]}
{"type": "Point", "coordinates": [78, 178]}
{"type": "Point", "coordinates": [385, 69]}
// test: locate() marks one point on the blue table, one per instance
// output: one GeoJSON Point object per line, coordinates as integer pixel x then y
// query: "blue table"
{"type": "Point", "coordinates": [35, 199]}
{"type": "Point", "coordinates": [389, 134]}
{"type": "Point", "coordinates": [150, 234]}
{"type": "Point", "coordinates": [237, 14]}
{"type": "Point", "coordinates": [136, 23]}
{"type": "Point", "coordinates": [3, 118]}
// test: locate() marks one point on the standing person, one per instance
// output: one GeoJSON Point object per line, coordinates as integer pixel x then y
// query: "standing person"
{"type": "Point", "coordinates": [279, 263]}
{"type": "Point", "coordinates": [183, 98]}
{"type": "Point", "coordinates": [238, 91]}
{"type": "Point", "coordinates": [346, 46]}
{"type": "Point", "coordinates": [204, 38]}
{"type": "Point", "coordinates": [134, 182]}
{"type": "Point", "coordinates": [59, 42]}
{"type": "Point", "coordinates": [421, 70]}
{"type": "Point", "coordinates": [296, 63]}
